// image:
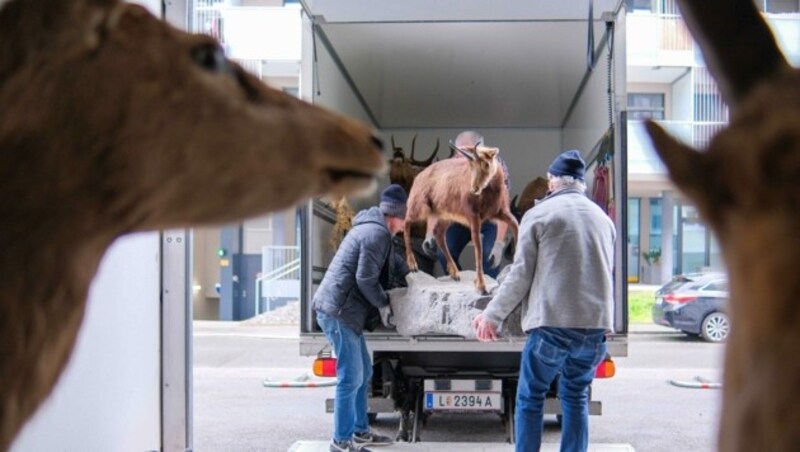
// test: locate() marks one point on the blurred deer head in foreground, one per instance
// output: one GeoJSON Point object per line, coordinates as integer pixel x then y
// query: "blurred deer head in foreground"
{"type": "Point", "coordinates": [114, 122]}
{"type": "Point", "coordinates": [747, 188]}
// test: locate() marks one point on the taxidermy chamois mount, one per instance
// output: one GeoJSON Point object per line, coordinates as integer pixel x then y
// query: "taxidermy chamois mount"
{"type": "Point", "coordinates": [114, 122]}
{"type": "Point", "coordinates": [746, 186]}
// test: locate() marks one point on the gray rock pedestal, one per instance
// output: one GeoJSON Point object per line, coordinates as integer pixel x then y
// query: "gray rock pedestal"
{"type": "Point", "coordinates": [442, 306]}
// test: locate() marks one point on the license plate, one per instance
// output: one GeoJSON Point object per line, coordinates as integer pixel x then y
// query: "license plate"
{"type": "Point", "coordinates": [463, 401]}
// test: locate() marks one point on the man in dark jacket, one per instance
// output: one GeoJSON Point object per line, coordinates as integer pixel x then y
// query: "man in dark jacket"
{"type": "Point", "coordinates": [354, 288]}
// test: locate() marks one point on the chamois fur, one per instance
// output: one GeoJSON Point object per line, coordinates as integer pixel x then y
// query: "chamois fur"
{"type": "Point", "coordinates": [468, 191]}
{"type": "Point", "coordinates": [114, 122]}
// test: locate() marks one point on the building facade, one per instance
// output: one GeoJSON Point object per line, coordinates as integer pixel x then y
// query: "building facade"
{"type": "Point", "coordinates": [668, 82]}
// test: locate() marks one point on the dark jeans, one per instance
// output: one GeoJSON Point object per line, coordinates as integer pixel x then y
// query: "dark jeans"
{"type": "Point", "coordinates": [354, 371]}
{"type": "Point", "coordinates": [457, 237]}
{"type": "Point", "coordinates": [573, 352]}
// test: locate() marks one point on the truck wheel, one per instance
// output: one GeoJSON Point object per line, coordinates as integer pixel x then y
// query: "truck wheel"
{"type": "Point", "coordinates": [715, 327]}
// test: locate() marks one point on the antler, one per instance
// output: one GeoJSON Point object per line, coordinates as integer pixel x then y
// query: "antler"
{"type": "Point", "coordinates": [466, 154]}
{"type": "Point", "coordinates": [398, 151]}
{"type": "Point", "coordinates": [737, 44]}
{"type": "Point", "coordinates": [429, 160]}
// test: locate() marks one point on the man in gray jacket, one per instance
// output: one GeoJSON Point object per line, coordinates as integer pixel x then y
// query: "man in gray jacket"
{"type": "Point", "coordinates": [562, 273]}
{"type": "Point", "coordinates": [351, 291]}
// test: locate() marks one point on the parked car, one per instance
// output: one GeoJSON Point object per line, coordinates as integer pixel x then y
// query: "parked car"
{"type": "Point", "coordinates": [695, 304]}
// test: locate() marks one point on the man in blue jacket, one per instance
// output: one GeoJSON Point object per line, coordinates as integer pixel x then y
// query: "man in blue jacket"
{"type": "Point", "coordinates": [563, 274]}
{"type": "Point", "coordinates": [351, 291]}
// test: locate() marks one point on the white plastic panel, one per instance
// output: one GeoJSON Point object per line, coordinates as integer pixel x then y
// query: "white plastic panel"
{"type": "Point", "coordinates": [108, 398]}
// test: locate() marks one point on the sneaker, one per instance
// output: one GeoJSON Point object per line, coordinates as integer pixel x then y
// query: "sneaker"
{"type": "Point", "coordinates": [372, 439]}
{"type": "Point", "coordinates": [347, 446]}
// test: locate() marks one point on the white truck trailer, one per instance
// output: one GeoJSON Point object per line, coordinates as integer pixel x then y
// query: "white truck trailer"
{"type": "Point", "coordinates": [535, 78]}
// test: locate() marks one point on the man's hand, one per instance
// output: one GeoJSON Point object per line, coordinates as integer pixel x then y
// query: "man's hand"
{"type": "Point", "coordinates": [485, 329]}
{"type": "Point", "coordinates": [429, 247]}
{"type": "Point", "coordinates": [387, 316]}
{"type": "Point", "coordinates": [497, 253]}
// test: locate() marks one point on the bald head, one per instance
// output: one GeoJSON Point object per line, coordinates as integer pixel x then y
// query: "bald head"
{"type": "Point", "coordinates": [468, 138]}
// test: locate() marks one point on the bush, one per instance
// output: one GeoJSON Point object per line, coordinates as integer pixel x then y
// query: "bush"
{"type": "Point", "coordinates": [640, 306]}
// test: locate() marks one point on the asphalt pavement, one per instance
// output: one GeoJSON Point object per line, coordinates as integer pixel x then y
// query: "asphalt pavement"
{"type": "Point", "coordinates": [235, 411]}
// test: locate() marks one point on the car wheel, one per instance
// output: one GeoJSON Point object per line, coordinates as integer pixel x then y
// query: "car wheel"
{"type": "Point", "coordinates": [715, 327]}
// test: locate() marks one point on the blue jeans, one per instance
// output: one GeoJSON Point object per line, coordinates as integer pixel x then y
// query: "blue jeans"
{"type": "Point", "coordinates": [354, 371]}
{"type": "Point", "coordinates": [457, 237]}
{"type": "Point", "coordinates": [575, 353]}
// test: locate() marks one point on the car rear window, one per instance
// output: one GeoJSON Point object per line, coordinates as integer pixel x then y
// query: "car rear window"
{"type": "Point", "coordinates": [719, 285]}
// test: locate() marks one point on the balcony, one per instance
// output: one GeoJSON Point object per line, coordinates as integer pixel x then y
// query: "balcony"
{"type": "Point", "coordinates": [658, 40]}
{"type": "Point", "coordinates": [264, 40]}
{"type": "Point", "coordinates": [642, 157]}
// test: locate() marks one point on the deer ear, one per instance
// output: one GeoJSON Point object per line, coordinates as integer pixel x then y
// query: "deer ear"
{"type": "Point", "coordinates": [489, 153]}
{"type": "Point", "coordinates": [686, 166]}
{"type": "Point", "coordinates": [737, 44]}
{"type": "Point", "coordinates": [104, 19]}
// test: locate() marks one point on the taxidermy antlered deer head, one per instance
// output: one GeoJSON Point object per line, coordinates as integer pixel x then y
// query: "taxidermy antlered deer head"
{"type": "Point", "coordinates": [746, 186]}
{"type": "Point", "coordinates": [114, 122]}
{"type": "Point", "coordinates": [403, 169]}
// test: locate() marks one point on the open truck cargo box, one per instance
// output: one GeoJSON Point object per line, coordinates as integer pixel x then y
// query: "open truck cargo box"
{"type": "Point", "coordinates": [532, 77]}
{"type": "Point", "coordinates": [535, 78]}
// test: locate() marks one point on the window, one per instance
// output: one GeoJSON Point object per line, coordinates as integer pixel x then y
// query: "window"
{"type": "Point", "coordinates": [639, 5]}
{"type": "Point", "coordinates": [646, 106]}
{"type": "Point", "coordinates": [655, 222]}
{"type": "Point", "coordinates": [633, 239]}
{"type": "Point", "coordinates": [719, 285]}
{"type": "Point", "coordinates": [292, 91]}
{"type": "Point", "coordinates": [652, 6]}
{"type": "Point", "coordinates": [779, 6]}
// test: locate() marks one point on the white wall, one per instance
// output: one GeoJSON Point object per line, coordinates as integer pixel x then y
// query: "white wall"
{"type": "Point", "coordinates": [108, 398]}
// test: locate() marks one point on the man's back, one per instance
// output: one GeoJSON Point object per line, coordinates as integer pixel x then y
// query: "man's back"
{"type": "Point", "coordinates": [573, 277]}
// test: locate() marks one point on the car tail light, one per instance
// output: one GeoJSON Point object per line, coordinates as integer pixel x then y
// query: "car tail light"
{"type": "Point", "coordinates": [606, 369]}
{"type": "Point", "coordinates": [325, 367]}
{"type": "Point", "coordinates": [679, 299]}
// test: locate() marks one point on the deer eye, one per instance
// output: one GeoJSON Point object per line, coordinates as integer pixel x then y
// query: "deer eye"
{"type": "Point", "coordinates": [210, 57]}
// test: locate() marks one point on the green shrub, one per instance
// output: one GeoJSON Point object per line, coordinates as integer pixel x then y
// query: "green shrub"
{"type": "Point", "coordinates": [640, 306]}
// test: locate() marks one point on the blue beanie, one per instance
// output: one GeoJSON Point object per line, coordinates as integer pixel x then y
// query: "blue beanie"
{"type": "Point", "coordinates": [393, 201]}
{"type": "Point", "coordinates": [568, 163]}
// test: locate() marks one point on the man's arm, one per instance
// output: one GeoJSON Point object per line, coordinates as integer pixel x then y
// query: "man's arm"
{"type": "Point", "coordinates": [371, 259]}
{"type": "Point", "coordinates": [518, 282]}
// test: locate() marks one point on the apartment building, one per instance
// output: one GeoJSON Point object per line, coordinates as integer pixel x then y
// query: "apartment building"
{"type": "Point", "coordinates": [668, 82]}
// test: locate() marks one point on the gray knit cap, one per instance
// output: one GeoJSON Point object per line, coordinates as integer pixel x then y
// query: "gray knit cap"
{"type": "Point", "coordinates": [393, 201]}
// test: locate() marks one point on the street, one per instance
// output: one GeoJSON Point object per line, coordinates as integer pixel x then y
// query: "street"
{"type": "Point", "coordinates": [234, 412]}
